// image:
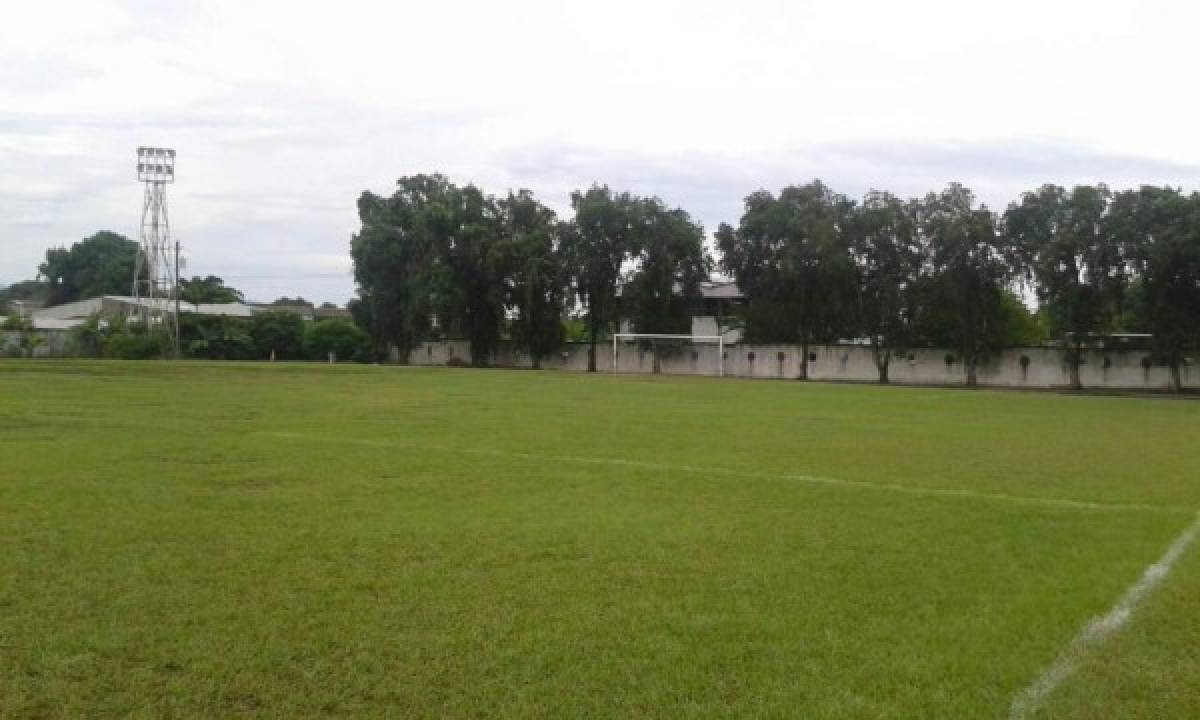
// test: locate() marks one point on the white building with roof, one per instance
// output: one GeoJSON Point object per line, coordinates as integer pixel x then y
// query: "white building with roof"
{"type": "Point", "coordinates": [69, 315]}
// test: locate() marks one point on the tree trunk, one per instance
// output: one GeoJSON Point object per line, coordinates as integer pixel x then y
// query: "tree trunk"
{"type": "Point", "coordinates": [1176, 378]}
{"type": "Point", "coordinates": [882, 362]}
{"type": "Point", "coordinates": [537, 361]}
{"type": "Point", "coordinates": [804, 359]}
{"type": "Point", "coordinates": [1073, 362]}
{"type": "Point", "coordinates": [1076, 383]}
{"type": "Point", "coordinates": [592, 348]}
{"type": "Point", "coordinates": [972, 378]}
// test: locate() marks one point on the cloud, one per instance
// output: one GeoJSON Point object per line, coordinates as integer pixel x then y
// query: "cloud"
{"type": "Point", "coordinates": [283, 113]}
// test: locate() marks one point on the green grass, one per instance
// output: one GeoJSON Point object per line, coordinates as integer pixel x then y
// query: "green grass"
{"type": "Point", "coordinates": [292, 541]}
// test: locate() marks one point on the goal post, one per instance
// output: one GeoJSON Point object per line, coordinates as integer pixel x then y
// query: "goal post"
{"type": "Point", "coordinates": [718, 339]}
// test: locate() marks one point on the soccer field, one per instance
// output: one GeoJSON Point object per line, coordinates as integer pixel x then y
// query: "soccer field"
{"type": "Point", "coordinates": [186, 539]}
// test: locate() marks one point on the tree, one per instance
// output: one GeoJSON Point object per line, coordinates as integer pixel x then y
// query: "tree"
{"type": "Point", "coordinates": [672, 262]}
{"type": "Point", "coordinates": [211, 289]}
{"type": "Point", "coordinates": [340, 337]}
{"type": "Point", "coordinates": [285, 300]}
{"type": "Point", "coordinates": [664, 291]}
{"type": "Point", "coordinates": [278, 335]}
{"type": "Point", "coordinates": [1074, 261]}
{"type": "Point", "coordinates": [393, 265]}
{"type": "Point", "coordinates": [535, 282]}
{"type": "Point", "coordinates": [102, 264]}
{"type": "Point", "coordinates": [31, 290]}
{"type": "Point", "coordinates": [464, 228]}
{"type": "Point", "coordinates": [1159, 230]}
{"type": "Point", "coordinates": [605, 233]}
{"type": "Point", "coordinates": [791, 253]}
{"type": "Point", "coordinates": [973, 266]}
{"type": "Point", "coordinates": [888, 259]}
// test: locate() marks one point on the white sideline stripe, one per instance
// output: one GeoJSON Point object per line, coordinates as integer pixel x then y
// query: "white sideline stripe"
{"type": "Point", "coordinates": [726, 472]}
{"type": "Point", "coordinates": [1101, 628]}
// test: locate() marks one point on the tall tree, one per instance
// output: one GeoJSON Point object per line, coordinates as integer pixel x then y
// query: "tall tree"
{"type": "Point", "coordinates": [663, 291]}
{"type": "Point", "coordinates": [1159, 229]}
{"type": "Point", "coordinates": [973, 267]}
{"type": "Point", "coordinates": [888, 259]}
{"type": "Point", "coordinates": [391, 254]}
{"type": "Point", "coordinates": [465, 227]}
{"type": "Point", "coordinates": [534, 274]}
{"type": "Point", "coordinates": [791, 253]}
{"type": "Point", "coordinates": [606, 232]}
{"type": "Point", "coordinates": [102, 264]}
{"type": "Point", "coordinates": [210, 289]}
{"type": "Point", "coordinates": [1074, 261]}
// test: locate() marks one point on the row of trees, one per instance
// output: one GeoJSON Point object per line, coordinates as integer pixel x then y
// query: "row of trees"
{"type": "Point", "coordinates": [942, 270]}
{"type": "Point", "coordinates": [815, 266]}
{"type": "Point", "coordinates": [438, 254]}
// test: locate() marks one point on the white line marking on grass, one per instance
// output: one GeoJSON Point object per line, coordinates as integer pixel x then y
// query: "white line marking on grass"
{"type": "Point", "coordinates": [1101, 628]}
{"type": "Point", "coordinates": [726, 472]}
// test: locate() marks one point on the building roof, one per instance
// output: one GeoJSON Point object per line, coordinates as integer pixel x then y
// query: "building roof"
{"type": "Point", "coordinates": [68, 315]}
{"type": "Point", "coordinates": [721, 290]}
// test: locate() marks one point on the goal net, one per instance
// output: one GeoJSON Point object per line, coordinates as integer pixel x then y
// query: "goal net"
{"type": "Point", "coordinates": [661, 344]}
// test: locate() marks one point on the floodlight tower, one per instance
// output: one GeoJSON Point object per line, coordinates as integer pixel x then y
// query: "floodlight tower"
{"type": "Point", "coordinates": [155, 278]}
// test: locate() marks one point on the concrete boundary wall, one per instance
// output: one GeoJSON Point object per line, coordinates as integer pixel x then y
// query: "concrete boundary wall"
{"type": "Point", "coordinates": [1118, 370]}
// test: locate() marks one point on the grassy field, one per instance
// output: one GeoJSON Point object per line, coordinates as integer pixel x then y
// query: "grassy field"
{"type": "Point", "coordinates": [290, 541]}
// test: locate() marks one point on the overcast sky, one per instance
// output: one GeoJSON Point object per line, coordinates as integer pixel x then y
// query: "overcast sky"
{"type": "Point", "coordinates": [283, 112]}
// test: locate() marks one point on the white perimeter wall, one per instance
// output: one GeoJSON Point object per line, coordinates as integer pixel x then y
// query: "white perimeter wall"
{"type": "Point", "coordinates": [849, 363]}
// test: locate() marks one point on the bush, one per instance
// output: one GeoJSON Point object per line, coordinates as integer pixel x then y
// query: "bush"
{"type": "Point", "coordinates": [341, 337]}
{"type": "Point", "coordinates": [277, 332]}
{"type": "Point", "coordinates": [88, 339]}
{"type": "Point", "coordinates": [215, 337]}
{"type": "Point", "coordinates": [133, 342]}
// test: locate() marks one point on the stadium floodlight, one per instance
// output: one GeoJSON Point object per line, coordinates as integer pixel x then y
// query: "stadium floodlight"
{"type": "Point", "coordinates": [156, 164]}
{"type": "Point", "coordinates": [632, 337]}
{"type": "Point", "coordinates": [156, 276]}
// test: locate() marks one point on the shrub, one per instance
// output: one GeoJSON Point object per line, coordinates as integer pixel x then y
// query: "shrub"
{"type": "Point", "coordinates": [215, 337]}
{"type": "Point", "coordinates": [133, 342]}
{"type": "Point", "coordinates": [341, 337]}
{"type": "Point", "coordinates": [88, 339]}
{"type": "Point", "coordinates": [278, 332]}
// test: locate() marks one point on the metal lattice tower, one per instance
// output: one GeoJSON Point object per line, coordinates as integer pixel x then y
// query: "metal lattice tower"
{"type": "Point", "coordinates": [155, 278]}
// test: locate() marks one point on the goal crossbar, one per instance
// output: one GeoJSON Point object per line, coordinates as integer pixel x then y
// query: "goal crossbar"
{"type": "Point", "coordinates": [718, 339]}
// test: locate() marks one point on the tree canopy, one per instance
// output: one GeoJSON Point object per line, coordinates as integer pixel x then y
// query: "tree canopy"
{"type": "Point", "coordinates": [791, 253]}
{"type": "Point", "coordinates": [102, 264]}
{"type": "Point", "coordinates": [607, 233]}
{"type": "Point", "coordinates": [210, 289]}
{"type": "Point", "coordinates": [1074, 264]}
{"type": "Point", "coordinates": [888, 260]}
